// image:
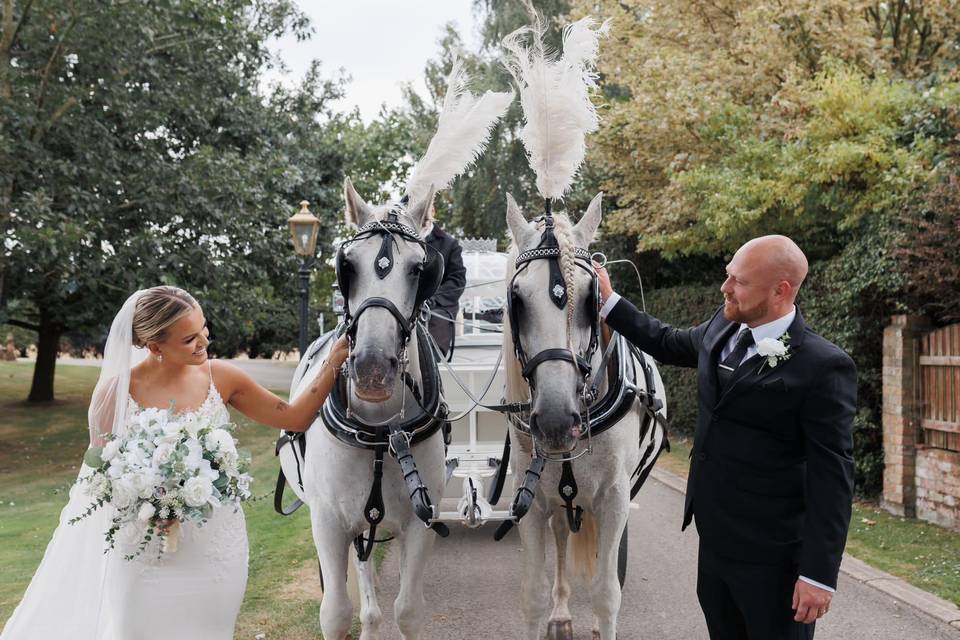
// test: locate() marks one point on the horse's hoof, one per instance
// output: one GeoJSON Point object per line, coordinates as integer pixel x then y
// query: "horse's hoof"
{"type": "Point", "coordinates": [560, 630]}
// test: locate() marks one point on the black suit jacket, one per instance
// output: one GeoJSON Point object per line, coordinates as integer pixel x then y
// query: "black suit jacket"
{"type": "Point", "coordinates": [446, 300]}
{"type": "Point", "coordinates": [771, 471]}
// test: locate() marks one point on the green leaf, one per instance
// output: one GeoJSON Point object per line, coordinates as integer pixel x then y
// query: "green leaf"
{"type": "Point", "coordinates": [92, 457]}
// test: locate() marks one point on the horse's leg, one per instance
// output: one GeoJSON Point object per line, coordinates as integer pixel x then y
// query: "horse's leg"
{"type": "Point", "coordinates": [560, 626]}
{"type": "Point", "coordinates": [410, 607]}
{"type": "Point", "coordinates": [370, 614]}
{"type": "Point", "coordinates": [535, 588]}
{"type": "Point", "coordinates": [336, 610]}
{"type": "Point", "coordinates": [611, 515]}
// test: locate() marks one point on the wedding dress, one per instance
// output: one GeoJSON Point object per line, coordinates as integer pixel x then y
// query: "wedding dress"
{"type": "Point", "coordinates": [80, 592]}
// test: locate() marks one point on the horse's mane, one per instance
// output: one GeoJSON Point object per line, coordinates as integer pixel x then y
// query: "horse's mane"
{"type": "Point", "coordinates": [517, 389]}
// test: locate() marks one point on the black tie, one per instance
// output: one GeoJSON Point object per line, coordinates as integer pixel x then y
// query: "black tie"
{"type": "Point", "coordinates": [731, 362]}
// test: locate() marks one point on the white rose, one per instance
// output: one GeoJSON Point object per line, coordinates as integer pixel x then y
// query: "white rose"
{"type": "Point", "coordinates": [124, 493]}
{"type": "Point", "coordinates": [167, 439]}
{"type": "Point", "coordinates": [769, 347]}
{"type": "Point", "coordinates": [220, 440]}
{"type": "Point", "coordinates": [163, 453]}
{"type": "Point", "coordinates": [192, 426]}
{"type": "Point", "coordinates": [110, 450]}
{"type": "Point", "coordinates": [197, 491]}
{"type": "Point", "coordinates": [147, 511]}
{"type": "Point", "coordinates": [194, 454]}
{"type": "Point", "coordinates": [146, 483]}
{"type": "Point", "coordinates": [117, 468]}
{"type": "Point", "coordinates": [171, 429]}
{"type": "Point", "coordinates": [134, 456]}
{"type": "Point", "coordinates": [207, 471]}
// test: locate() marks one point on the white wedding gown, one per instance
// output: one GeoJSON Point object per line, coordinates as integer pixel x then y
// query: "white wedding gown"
{"type": "Point", "coordinates": [79, 592]}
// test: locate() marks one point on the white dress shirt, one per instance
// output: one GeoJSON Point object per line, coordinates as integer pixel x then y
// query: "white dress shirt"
{"type": "Point", "coordinates": [772, 330]}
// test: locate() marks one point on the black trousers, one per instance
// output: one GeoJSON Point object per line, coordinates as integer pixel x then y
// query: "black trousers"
{"type": "Point", "coordinates": [442, 329]}
{"type": "Point", "coordinates": [742, 601]}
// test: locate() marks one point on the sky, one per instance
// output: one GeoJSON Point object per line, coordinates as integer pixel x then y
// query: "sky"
{"type": "Point", "coordinates": [381, 44]}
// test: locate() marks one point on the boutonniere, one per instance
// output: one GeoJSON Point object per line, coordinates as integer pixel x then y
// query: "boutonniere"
{"type": "Point", "coordinates": [773, 351]}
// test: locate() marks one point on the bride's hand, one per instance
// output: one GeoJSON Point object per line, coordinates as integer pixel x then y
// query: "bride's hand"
{"type": "Point", "coordinates": [339, 352]}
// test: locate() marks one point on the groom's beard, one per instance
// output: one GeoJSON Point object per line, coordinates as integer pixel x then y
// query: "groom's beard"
{"type": "Point", "coordinates": [734, 313]}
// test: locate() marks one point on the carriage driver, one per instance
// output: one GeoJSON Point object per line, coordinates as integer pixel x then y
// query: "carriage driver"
{"type": "Point", "coordinates": [445, 303]}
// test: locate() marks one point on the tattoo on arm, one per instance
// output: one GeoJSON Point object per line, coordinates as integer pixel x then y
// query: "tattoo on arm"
{"type": "Point", "coordinates": [282, 406]}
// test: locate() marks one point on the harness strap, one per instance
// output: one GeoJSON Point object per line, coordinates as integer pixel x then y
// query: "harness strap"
{"type": "Point", "coordinates": [383, 303]}
{"type": "Point", "coordinates": [373, 510]}
{"type": "Point", "coordinates": [568, 491]}
{"type": "Point", "coordinates": [497, 489]}
{"type": "Point", "coordinates": [289, 438]}
{"type": "Point", "coordinates": [602, 369]}
{"type": "Point", "coordinates": [555, 354]}
{"type": "Point", "coordinates": [524, 497]}
{"type": "Point", "coordinates": [419, 496]}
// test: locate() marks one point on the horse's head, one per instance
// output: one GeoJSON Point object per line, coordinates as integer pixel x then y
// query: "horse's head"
{"type": "Point", "coordinates": [384, 273]}
{"type": "Point", "coordinates": [553, 323]}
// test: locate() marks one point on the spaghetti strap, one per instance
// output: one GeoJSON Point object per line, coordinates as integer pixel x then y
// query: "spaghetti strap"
{"type": "Point", "coordinates": [210, 369]}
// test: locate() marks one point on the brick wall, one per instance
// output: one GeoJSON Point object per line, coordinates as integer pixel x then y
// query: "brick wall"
{"type": "Point", "coordinates": [938, 486]}
{"type": "Point", "coordinates": [918, 480]}
{"type": "Point", "coordinates": [901, 412]}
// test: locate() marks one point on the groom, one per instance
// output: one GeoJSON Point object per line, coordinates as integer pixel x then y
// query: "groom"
{"type": "Point", "coordinates": [771, 471]}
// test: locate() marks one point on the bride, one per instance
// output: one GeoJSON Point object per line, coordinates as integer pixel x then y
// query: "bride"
{"type": "Point", "coordinates": [155, 359]}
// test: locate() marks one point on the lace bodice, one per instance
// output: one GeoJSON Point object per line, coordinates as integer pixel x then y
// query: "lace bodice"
{"type": "Point", "coordinates": [212, 405]}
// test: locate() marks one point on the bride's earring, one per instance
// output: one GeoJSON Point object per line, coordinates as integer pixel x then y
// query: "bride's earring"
{"type": "Point", "coordinates": [160, 357]}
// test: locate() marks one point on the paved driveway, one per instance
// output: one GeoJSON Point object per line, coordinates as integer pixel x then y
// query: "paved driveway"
{"type": "Point", "coordinates": [473, 588]}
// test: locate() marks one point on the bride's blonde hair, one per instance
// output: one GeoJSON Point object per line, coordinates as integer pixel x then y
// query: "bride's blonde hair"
{"type": "Point", "coordinates": [157, 309]}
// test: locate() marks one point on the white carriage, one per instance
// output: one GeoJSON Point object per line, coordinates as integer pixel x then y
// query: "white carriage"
{"type": "Point", "coordinates": [477, 439]}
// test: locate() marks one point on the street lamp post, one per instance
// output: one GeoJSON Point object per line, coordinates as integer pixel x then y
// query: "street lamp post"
{"type": "Point", "coordinates": [304, 227]}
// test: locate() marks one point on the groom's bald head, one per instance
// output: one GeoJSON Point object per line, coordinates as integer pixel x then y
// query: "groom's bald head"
{"type": "Point", "coordinates": [763, 280]}
{"type": "Point", "coordinates": [780, 257]}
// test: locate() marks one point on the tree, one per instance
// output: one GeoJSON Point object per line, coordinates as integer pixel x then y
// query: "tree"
{"type": "Point", "coordinates": [688, 81]}
{"type": "Point", "coordinates": [136, 148]}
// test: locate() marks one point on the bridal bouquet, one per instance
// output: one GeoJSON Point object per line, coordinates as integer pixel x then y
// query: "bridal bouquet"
{"type": "Point", "coordinates": [169, 469]}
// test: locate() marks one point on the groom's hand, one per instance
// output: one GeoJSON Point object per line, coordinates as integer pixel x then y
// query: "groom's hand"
{"type": "Point", "coordinates": [603, 280]}
{"type": "Point", "coordinates": [810, 602]}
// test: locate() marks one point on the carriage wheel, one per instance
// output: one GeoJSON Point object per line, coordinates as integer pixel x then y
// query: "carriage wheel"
{"type": "Point", "coordinates": [622, 557]}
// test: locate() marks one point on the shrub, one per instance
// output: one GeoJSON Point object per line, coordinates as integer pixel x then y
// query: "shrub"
{"type": "Point", "coordinates": [929, 248]}
{"type": "Point", "coordinates": [684, 306]}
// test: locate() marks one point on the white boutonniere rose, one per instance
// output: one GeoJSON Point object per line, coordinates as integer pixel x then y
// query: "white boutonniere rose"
{"type": "Point", "coordinates": [773, 351]}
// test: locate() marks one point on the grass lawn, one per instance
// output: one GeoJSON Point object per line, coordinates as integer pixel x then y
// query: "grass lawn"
{"type": "Point", "coordinates": [40, 452]}
{"type": "Point", "coordinates": [925, 555]}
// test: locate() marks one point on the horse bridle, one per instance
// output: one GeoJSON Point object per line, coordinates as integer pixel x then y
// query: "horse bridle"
{"type": "Point", "coordinates": [430, 276]}
{"type": "Point", "coordinates": [557, 291]}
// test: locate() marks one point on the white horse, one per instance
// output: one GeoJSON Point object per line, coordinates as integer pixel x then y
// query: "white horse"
{"type": "Point", "coordinates": [337, 478]}
{"type": "Point", "coordinates": [603, 478]}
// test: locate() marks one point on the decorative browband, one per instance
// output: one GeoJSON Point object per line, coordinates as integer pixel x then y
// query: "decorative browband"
{"type": "Point", "coordinates": [399, 227]}
{"type": "Point", "coordinates": [548, 252]}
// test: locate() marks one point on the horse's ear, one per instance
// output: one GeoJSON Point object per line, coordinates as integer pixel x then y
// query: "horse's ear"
{"type": "Point", "coordinates": [420, 211]}
{"type": "Point", "coordinates": [357, 211]}
{"type": "Point", "coordinates": [586, 229]}
{"type": "Point", "coordinates": [519, 227]}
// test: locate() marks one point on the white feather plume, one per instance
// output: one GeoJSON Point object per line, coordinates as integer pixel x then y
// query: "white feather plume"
{"type": "Point", "coordinates": [555, 94]}
{"type": "Point", "coordinates": [463, 129]}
